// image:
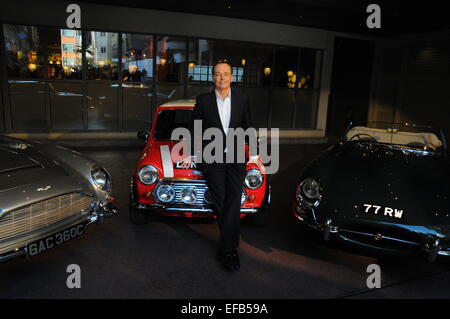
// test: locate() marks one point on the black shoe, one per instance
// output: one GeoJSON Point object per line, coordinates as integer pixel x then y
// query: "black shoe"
{"type": "Point", "coordinates": [235, 260]}
{"type": "Point", "coordinates": [226, 259]}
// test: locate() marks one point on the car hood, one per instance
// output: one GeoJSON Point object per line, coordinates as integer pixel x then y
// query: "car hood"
{"type": "Point", "coordinates": [158, 155]}
{"type": "Point", "coordinates": [11, 161]}
{"type": "Point", "coordinates": [417, 185]}
{"type": "Point", "coordinates": [28, 175]}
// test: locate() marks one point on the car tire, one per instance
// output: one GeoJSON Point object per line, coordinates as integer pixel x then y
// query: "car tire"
{"type": "Point", "coordinates": [137, 216]}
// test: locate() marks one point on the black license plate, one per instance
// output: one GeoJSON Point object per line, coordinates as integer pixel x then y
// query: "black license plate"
{"type": "Point", "coordinates": [42, 245]}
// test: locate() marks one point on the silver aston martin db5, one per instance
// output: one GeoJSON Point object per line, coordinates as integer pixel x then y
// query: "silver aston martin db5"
{"type": "Point", "coordinates": [48, 196]}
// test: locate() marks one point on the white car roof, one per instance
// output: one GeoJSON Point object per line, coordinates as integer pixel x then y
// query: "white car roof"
{"type": "Point", "coordinates": [190, 102]}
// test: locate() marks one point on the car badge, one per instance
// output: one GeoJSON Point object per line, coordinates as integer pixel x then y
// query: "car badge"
{"type": "Point", "coordinates": [378, 236]}
{"type": "Point", "coordinates": [43, 189]}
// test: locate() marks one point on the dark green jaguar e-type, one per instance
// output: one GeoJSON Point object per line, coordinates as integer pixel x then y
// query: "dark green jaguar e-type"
{"type": "Point", "coordinates": [383, 187]}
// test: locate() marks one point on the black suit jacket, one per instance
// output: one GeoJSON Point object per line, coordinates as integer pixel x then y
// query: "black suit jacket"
{"type": "Point", "coordinates": [207, 111]}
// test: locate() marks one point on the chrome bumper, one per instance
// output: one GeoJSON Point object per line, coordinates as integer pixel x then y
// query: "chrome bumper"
{"type": "Point", "coordinates": [329, 229]}
{"type": "Point", "coordinates": [204, 210]}
{"type": "Point", "coordinates": [97, 215]}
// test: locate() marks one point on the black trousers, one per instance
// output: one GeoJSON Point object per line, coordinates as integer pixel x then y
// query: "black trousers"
{"type": "Point", "coordinates": [225, 182]}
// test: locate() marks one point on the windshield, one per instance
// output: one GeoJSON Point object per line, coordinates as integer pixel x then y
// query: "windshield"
{"type": "Point", "coordinates": [401, 134]}
{"type": "Point", "coordinates": [168, 120]}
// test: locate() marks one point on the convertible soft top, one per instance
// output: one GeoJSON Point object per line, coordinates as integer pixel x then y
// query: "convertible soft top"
{"type": "Point", "coordinates": [396, 137]}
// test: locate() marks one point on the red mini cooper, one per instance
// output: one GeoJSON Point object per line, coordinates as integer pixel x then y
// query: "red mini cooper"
{"type": "Point", "coordinates": [160, 186]}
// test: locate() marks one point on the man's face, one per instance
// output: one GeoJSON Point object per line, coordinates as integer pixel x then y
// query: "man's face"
{"type": "Point", "coordinates": [222, 76]}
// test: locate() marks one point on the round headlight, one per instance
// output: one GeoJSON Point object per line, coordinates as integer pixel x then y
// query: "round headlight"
{"type": "Point", "coordinates": [148, 174]}
{"type": "Point", "coordinates": [100, 178]}
{"type": "Point", "coordinates": [188, 195]}
{"type": "Point", "coordinates": [253, 178]}
{"type": "Point", "coordinates": [165, 193]}
{"type": "Point", "coordinates": [310, 188]}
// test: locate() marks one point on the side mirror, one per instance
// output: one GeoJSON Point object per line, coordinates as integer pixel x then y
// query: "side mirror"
{"type": "Point", "coordinates": [143, 135]}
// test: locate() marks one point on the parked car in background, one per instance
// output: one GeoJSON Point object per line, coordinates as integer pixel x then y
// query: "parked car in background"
{"type": "Point", "coordinates": [48, 196]}
{"type": "Point", "coordinates": [384, 186]}
{"type": "Point", "coordinates": [160, 186]}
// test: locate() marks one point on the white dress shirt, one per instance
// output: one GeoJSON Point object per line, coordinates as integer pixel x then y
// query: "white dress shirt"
{"type": "Point", "coordinates": [224, 107]}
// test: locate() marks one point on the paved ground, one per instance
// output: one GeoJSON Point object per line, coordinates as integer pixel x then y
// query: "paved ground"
{"type": "Point", "coordinates": [174, 258]}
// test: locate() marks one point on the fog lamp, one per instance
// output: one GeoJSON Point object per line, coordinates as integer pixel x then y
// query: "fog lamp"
{"type": "Point", "coordinates": [165, 193]}
{"type": "Point", "coordinates": [188, 195]}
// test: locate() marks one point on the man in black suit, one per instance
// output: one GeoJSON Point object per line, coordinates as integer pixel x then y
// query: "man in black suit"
{"type": "Point", "coordinates": [224, 108]}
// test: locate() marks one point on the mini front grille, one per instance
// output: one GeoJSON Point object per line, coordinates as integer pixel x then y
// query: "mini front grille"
{"type": "Point", "coordinates": [44, 213]}
{"type": "Point", "coordinates": [199, 187]}
{"type": "Point", "coordinates": [203, 195]}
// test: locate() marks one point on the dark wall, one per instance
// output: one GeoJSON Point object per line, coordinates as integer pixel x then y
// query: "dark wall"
{"type": "Point", "coordinates": [387, 85]}
{"type": "Point", "coordinates": [350, 84]}
{"type": "Point", "coordinates": [413, 80]}
{"type": "Point", "coordinates": [426, 85]}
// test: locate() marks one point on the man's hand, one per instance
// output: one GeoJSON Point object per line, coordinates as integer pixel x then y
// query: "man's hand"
{"type": "Point", "coordinates": [187, 161]}
{"type": "Point", "coordinates": [257, 161]}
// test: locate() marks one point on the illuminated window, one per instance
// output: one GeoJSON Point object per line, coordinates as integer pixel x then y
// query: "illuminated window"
{"type": "Point", "coordinates": [171, 59]}
{"type": "Point", "coordinates": [68, 33]}
{"type": "Point", "coordinates": [137, 57]}
{"type": "Point", "coordinates": [69, 47]}
{"type": "Point", "coordinates": [23, 49]}
{"type": "Point", "coordinates": [63, 60]}
{"type": "Point", "coordinates": [285, 72]}
{"type": "Point", "coordinates": [102, 55]}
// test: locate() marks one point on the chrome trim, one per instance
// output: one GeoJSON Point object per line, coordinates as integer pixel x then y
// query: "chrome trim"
{"type": "Point", "coordinates": [41, 214]}
{"type": "Point", "coordinates": [98, 213]}
{"type": "Point", "coordinates": [372, 236]}
{"type": "Point", "coordinates": [244, 210]}
{"type": "Point", "coordinates": [340, 232]}
{"type": "Point", "coordinates": [14, 254]}
{"type": "Point", "coordinates": [434, 250]}
{"type": "Point", "coordinates": [326, 229]}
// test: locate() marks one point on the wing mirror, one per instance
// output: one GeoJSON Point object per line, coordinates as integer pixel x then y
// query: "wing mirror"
{"type": "Point", "coordinates": [143, 135]}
